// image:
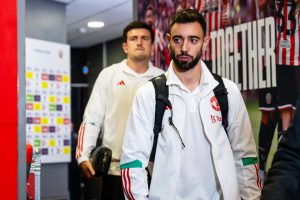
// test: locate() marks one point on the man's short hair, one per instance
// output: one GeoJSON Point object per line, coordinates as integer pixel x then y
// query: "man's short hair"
{"type": "Point", "coordinates": [187, 16]}
{"type": "Point", "coordinates": [137, 25]}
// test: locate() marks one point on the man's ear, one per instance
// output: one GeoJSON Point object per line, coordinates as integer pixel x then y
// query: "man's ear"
{"type": "Point", "coordinates": [125, 49]}
{"type": "Point", "coordinates": [169, 39]}
{"type": "Point", "coordinates": [205, 42]}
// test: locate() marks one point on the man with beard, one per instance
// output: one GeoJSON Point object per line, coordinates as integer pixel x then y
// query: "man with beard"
{"type": "Point", "coordinates": [195, 157]}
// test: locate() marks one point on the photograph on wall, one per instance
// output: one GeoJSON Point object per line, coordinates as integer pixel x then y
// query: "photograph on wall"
{"type": "Point", "coordinates": [236, 30]}
{"type": "Point", "coordinates": [48, 125]}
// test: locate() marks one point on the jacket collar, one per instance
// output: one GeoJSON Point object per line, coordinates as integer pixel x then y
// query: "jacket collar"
{"type": "Point", "coordinates": [207, 81]}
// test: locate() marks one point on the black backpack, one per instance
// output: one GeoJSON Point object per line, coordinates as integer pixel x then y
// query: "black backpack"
{"type": "Point", "coordinates": [161, 96]}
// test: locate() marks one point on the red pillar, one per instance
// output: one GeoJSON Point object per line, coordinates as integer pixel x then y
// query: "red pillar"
{"type": "Point", "coordinates": [8, 100]}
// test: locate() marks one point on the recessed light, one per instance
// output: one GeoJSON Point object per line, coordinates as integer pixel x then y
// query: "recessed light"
{"type": "Point", "coordinates": [95, 24]}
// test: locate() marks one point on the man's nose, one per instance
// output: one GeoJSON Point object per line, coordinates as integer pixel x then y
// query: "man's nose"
{"type": "Point", "coordinates": [185, 46]}
{"type": "Point", "coordinates": [139, 41]}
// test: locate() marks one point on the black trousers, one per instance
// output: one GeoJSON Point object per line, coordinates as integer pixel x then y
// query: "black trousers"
{"type": "Point", "coordinates": [112, 188]}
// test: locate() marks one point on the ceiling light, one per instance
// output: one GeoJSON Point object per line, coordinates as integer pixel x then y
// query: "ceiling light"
{"type": "Point", "coordinates": [95, 24]}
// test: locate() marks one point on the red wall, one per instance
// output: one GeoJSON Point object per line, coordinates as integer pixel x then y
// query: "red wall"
{"type": "Point", "coordinates": [8, 99]}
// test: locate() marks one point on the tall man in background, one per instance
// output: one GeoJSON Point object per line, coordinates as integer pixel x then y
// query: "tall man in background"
{"type": "Point", "coordinates": [110, 102]}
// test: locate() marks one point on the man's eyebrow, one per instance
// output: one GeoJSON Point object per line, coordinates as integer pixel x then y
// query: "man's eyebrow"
{"type": "Point", "coordinates": [176, 36]}
{"type": "Point", "coordinates": [139, 36]}
{"type": "Point", "coordinates": [194, 37]}
{"type": "Point", "coordinates": [191, 36]}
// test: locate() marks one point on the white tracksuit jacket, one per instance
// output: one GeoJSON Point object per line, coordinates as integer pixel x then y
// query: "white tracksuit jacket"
{"type": "Point", "coordinates": [234, 156]}
{"type": "Point", "coordinates": [108, 108]}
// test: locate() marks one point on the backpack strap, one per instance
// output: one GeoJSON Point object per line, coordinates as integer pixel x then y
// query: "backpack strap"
{"type": "Point", "coordinates": [161, 98]}
{"type": "Point", "coordinates": [221, 95]}
{"type": "Point", "coordinates": [161, 101]}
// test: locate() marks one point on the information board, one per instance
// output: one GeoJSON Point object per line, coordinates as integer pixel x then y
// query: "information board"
{"type": "Point", "coordinates": [48, 125]}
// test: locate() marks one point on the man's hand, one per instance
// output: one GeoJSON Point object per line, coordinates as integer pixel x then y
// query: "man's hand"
{"type": "Point", "coordinates": [87, 169]}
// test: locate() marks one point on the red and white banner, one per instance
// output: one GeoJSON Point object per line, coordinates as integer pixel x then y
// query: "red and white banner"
{"type": "Point", "coordinates": [242, 32]}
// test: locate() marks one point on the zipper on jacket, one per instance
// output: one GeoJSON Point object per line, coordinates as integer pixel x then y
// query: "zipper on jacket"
{"type": "Point", "coordinates": [168, 103]}
{"type": "Point", "coordinates": [176, 130]}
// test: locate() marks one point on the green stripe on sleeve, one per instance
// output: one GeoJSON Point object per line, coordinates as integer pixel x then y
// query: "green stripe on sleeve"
{"type": "Point", "coordinates": [249, 161]}
{"type": "Point", "coordinates": [133, 164]}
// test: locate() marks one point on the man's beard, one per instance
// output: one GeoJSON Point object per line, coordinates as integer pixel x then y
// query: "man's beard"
{"type": "Point", "coordinates": [185, 66]}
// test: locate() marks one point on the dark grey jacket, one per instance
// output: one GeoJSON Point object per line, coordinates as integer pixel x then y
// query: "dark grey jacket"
{"type": "Point", "coordinates": [283, 180]}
